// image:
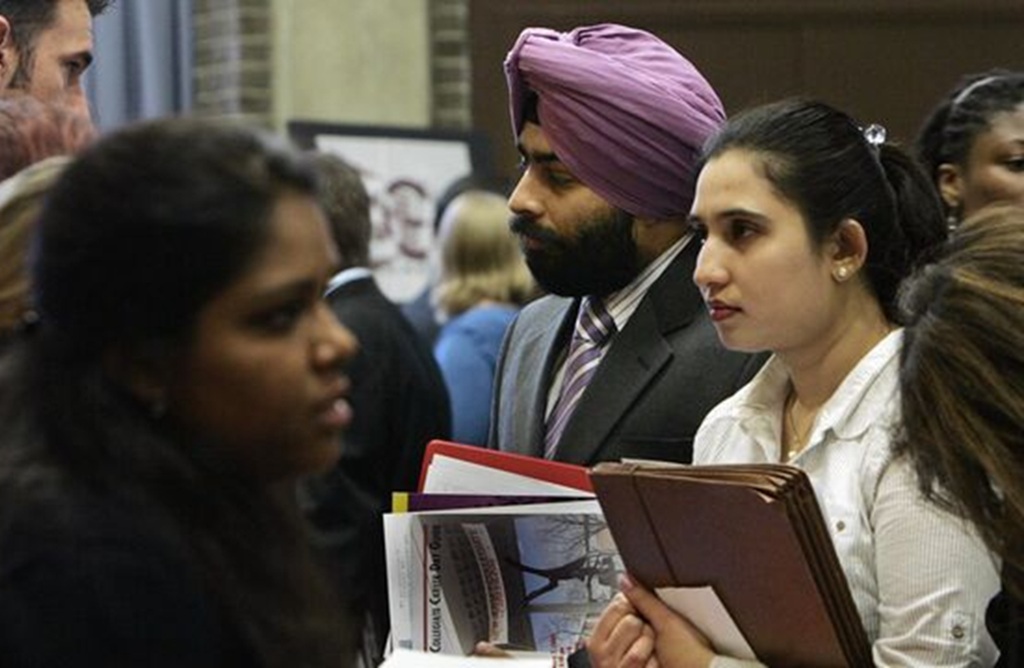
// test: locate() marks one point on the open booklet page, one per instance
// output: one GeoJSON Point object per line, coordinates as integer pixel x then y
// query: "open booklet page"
{"type": "Point", "coordinates": [403, 658]}
{"type": "Point", "coordinates": [527, 577]}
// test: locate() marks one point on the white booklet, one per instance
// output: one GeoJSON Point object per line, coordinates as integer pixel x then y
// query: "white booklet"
{"type": "Point", "coordinates": [530, 578]}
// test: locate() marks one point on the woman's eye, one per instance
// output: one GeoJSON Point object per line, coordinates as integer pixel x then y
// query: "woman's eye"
{"type": "Point", "coordinates": [742, 230]}
{"type": "Point", "coordinates": [1015, 164]}
{"type": "Point", "coordinates": [281, 319]}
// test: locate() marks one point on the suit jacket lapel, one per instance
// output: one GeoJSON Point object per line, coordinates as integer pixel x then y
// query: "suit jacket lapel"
{"type": "Point", "coordinates": [543, 345]}
{"type": "Point", "coordinates": [635, 357]}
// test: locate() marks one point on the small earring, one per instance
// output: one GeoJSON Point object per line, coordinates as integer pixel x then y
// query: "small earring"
{"type": "Point", "coordinates": [840, 274]}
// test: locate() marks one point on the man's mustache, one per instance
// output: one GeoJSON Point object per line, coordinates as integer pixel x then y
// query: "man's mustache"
{"type": "Point", "coordinates": [527, 227]}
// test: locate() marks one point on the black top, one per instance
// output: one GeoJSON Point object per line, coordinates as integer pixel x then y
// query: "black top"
{"type": "Point", "coordinates": [421, 315]}
{"type": "Point", "coordinates": [88, 581]}
{"type": "Point", "coordinates": [1005, 621]}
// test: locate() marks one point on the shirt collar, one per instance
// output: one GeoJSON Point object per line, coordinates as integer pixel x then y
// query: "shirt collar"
{"type": "Point", "coordinates": [347, 276]}
{"type": "Point", "coordinates": [848, 413]}
{"type": "Point", "coordinates": [621, 304]}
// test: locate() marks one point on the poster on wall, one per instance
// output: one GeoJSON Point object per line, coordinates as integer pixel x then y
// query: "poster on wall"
{"type": "Point", "coordinates": [405, 171]}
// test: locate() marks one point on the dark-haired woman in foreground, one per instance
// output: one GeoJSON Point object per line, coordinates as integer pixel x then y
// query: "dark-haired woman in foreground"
{"type": "Point", "coordinates": [810, 223]}
{"type": "Point", "coordinates": [182, 371]}
{"type": "Point", "coordinates": [962, 387]}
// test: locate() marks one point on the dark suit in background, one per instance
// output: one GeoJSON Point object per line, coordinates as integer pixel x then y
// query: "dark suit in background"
{"type": "Point", "coordinates": [420, 314]}
{"type": "Point", "coordinates": [662, 373]}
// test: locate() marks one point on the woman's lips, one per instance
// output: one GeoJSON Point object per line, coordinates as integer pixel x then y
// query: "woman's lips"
{"type": "Point", "coordinates": [720, 311]}
{"type": "Point", "coordinates": [337, 415]}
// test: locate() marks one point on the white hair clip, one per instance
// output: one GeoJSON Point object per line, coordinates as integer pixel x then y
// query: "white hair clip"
{"type": "Point", "coordinates": [875, 135]}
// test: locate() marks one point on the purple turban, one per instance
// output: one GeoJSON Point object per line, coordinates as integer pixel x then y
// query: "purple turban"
{"type": "Point", "coordinates": [622, 109]}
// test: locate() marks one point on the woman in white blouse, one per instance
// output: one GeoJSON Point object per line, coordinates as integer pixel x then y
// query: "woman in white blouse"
{"type": "Point", "coordinates": [809, 225]}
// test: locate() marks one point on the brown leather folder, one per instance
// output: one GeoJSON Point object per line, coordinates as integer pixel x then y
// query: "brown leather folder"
{"type": "Point", "coordinates": [756, 535]}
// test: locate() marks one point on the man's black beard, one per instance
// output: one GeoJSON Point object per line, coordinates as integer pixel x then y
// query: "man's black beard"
{"type": "Point", "coordinates": [600, 258]}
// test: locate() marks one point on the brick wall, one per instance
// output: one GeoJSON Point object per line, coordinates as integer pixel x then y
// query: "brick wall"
{"type": "Point", "coordinates": [233, 59]}
{"type": "Point", "coordinates": [451, 99]}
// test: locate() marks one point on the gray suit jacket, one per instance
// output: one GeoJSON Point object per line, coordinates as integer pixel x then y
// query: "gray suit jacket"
{"type": "Point", "coordinates": [659, 378]}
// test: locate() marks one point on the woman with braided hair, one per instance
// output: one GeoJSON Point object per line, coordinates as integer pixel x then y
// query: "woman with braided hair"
{"type": "Point", "coordinates": [972, 143]}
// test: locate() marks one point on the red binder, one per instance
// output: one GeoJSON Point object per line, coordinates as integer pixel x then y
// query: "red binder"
{"type": "Point", "coordinates": [560, 473]}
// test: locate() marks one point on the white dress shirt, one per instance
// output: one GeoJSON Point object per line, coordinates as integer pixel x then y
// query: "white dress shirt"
{"type": "Point", "coordinates": [920, 577]}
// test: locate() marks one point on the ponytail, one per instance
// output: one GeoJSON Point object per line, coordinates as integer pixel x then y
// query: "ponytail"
{"type": "Point", "coordinates": [919, 227]}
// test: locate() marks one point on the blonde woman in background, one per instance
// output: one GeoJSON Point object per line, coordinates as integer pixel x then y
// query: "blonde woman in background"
{"type": "Point", "coordinates": [484, 282]}
{"type": "Point", "coordinates": [31, 131]}
{"type": "Point", "coordinates": [21, 197]}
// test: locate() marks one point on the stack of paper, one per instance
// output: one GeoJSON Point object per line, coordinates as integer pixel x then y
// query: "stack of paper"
{"type": "Point", "coordinates": [500, 548]}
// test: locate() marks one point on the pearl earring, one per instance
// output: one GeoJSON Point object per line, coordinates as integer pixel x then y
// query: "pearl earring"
{"type": "Point", "coordinates": [841, 273]}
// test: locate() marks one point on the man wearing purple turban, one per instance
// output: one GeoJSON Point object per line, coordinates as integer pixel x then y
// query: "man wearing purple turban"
{"type": "Point", "coordinates": [621, 360]}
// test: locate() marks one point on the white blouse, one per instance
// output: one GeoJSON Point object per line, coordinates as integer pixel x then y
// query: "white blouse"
{"type": "Point", "coordinates": [920, 577]}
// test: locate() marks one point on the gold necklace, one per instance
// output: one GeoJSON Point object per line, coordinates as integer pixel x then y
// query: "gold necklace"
{"type": "Point", "coordinates": [797, 439]}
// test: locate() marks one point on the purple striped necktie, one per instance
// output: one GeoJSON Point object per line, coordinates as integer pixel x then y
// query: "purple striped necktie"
{"type": "Point", "coordinates": [594, 327]}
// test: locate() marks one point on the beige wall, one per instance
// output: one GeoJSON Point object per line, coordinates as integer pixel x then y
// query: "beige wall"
{"type": "Point", "coordinates": [351, 61]}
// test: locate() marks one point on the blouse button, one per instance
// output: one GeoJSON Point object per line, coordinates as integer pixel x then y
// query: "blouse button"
{"type": "Point", "coordinates": [840, 526]}
{"type": "Point", "coordinates": [958, 632]}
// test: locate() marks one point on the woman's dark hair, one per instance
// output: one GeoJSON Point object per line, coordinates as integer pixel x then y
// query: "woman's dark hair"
{"type": "Point", "coordinates": [819, 159]}
{"type": "Point", "coordinates": [144, 228]}
{"type": "Point", "coordinates": [951, 127]}
{"type": "Point", "coordinates": [962, 380]}
{"type": "Point", "coordinates": [137, 235]}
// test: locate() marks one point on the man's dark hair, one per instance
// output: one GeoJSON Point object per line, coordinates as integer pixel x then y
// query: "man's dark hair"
{"type": "Point", "coordinates": [30, 17]}
{"type": "Point", "coordinates": [346, 202]}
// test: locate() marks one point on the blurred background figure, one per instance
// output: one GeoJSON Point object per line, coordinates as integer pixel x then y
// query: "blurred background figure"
{"type": "Point", "coordinates": [399, 402]}
{"type": "Point", "coordinates": [483, 283]}
{"type": "Point", "coordinates": [184, 371]}
{"type": "Point", "coordinates": [30, 131]}
{"type": "Point", "coordinates": [962, 382]}
{"type": "Point", "coordinates": [21, 197]}
{"type": "Point", "coordinates": [421, 311]}
{"type": "Point", "coordinates": [46, 47]}
{"type": "Point", "coordinates": [972, 143]}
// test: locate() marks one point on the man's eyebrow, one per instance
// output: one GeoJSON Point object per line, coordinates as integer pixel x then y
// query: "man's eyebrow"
{"type": "Point", "coordinates": [538, 158]}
